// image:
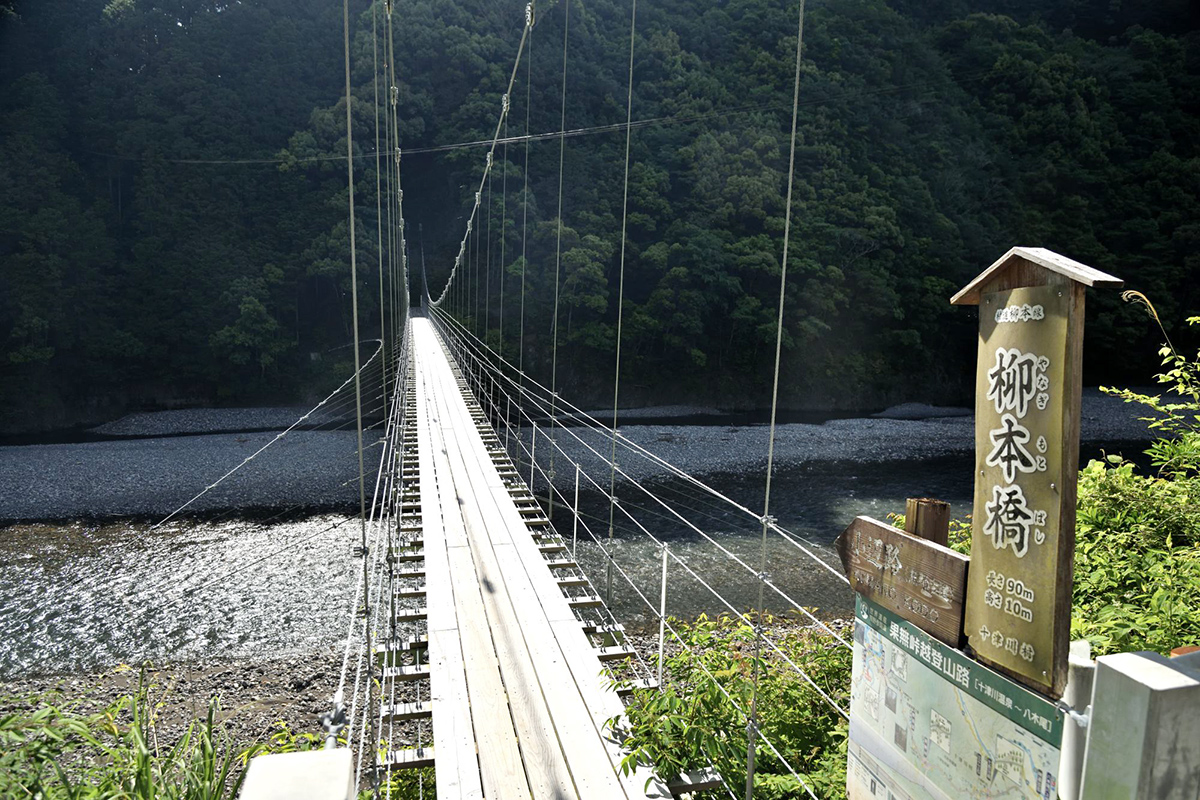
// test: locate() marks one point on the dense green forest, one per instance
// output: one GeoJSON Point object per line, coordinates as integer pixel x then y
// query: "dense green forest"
{"type": "Point", "coordinates": [173, 207]}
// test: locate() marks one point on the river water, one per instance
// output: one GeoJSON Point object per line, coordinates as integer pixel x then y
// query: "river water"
{"type": "Point", "coordinates": [87, 595]}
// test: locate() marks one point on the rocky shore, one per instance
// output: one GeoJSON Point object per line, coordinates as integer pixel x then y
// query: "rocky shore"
{"type": "Point", "coordinates": [254, 696]}
{"type": "Point", "coordinates": [155, 474]}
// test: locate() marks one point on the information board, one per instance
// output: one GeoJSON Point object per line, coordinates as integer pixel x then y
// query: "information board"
{"type": "Point", "coordinates": [928, 722]}
{"type": "Point", "coordinates": [1013, 589]}
{"type": "Point", "coordinates": [922, 581]}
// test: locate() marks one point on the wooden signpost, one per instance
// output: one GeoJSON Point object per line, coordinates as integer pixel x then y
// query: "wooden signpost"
{"type": "Point", "coordinates": [919, 580]}
{"type": "Point", "coordinates": [1027, 412]}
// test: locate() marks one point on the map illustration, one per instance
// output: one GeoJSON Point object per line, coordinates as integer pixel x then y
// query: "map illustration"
{"type": "Point", "coordinates": [926, 722]}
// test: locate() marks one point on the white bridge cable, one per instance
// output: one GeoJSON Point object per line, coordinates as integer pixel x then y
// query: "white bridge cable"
{"type": "Point", "coordinates": [540, 404]}
{"type": "Point", "coordinates": [687, 568]}
{"type": "Point", "coordinates": [256, 453]}
{"type": "Point", "coordinates": [683, 643]}
{"type": "Point", "coordinates": [359, 589]}
{"type": "Point", "coordinates": [588, 421]}
{"type": "Point", "coordinates": [504, 108]}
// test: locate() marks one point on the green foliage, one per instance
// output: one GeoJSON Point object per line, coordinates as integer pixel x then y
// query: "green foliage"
{"type": "Point", "coordinates": [930, 140]}
{"type": "Point", "coordinates": [691, 724]}
{"type": "Point", "coordinates": [1177, 418]}
{"type": "Point", "coordinates": [1137, 559]}
{"type": "Point", "coordinates": [56, 752]}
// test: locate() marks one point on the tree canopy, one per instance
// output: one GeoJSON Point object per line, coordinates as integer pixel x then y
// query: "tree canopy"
{"type": "Point", "coordinates": [173, 194]}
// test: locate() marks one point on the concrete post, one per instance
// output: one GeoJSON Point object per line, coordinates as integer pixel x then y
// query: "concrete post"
{"type": "Point", "coordinates": [1081, 671]}
{"type": "Point", "coordinates": [1144, 737]}
{"type": "Point", "coordinates": [310, 775]}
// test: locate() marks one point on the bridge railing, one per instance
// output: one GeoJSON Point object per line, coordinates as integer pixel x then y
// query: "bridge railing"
{"type": "Point", "coordinates": [666, 546]}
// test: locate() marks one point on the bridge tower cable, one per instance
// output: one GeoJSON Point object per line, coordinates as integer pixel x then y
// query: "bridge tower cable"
{"type": "Point", "coordinates": [379, 201]}
{"type": "Point", "coordinates": [506, 102]}
{"type": "Point", "coordinates": [612, 503]}
{"type": "Point", "coordinates": [487, 302]}
{"type": "Point", "coordinates": [752, 724]}
{"type": "Point", "coordinates": [562, 146]}
{"type": "Point", "coordinates": [529, 12]}
{"type": "Point", "coordinates": [362, 499]}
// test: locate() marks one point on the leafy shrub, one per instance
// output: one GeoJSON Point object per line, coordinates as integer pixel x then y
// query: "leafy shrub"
{"type": "Point", "coordinates": [691, 724]}
{"type": "Point", "coordinates": [57, 752]}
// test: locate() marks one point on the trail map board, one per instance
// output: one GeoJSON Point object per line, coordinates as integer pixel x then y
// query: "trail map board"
{"type": "Point", "coordinates": [927, 722]}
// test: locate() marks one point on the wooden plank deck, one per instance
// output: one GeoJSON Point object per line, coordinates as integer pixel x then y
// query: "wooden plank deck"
{"type": "Point", "coordinates": [518, 703]}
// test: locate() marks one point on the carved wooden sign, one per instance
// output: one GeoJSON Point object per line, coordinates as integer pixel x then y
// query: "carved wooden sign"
{"type": "Point", "coordinates": [1027, 413]}
{"type": "Point", "coordinates": [919, 580]}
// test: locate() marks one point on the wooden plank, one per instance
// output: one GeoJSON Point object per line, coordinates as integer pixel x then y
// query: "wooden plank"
{"type": "Point", "coordinates": [545, 769]}
{"type": "Point", "coordinates": [401, 712]}
{"type": "Point", "coordinates": [699, 780]}
{"type": "Point", "coordinates": [498, 757]}
{"type": "Point", "coordinates": [409, 759]}
{"type": "Point", "coordinates": [453, 737]}
{"type": "Point", "coordinates": [920, 580]}
{"type": "Point", "coordinates": [599, 701]}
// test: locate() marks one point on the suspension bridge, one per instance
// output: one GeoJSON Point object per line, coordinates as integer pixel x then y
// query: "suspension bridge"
{"type": "Point", "coordinates": [482, 650]}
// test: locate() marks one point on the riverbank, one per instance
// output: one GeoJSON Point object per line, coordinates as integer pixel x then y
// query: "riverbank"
{"type": "Point", "coordinates": [168, 457]}
{"type": "Point", "coordinates": [255, 696]}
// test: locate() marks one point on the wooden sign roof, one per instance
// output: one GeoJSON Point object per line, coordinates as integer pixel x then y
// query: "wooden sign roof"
{"type": "Point", "coordinates": [1035, 257]}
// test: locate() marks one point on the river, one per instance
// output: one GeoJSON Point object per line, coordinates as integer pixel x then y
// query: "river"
{"type": "Point", "coordinates": [81, 595]}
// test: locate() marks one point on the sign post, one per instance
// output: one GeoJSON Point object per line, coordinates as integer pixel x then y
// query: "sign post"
{"type": "Point", "coordinates": [919, 580]}
{"type": "Point", "coordinates": [1027, 412]}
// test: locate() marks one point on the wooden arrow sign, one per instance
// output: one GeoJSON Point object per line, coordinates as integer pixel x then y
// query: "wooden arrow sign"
{"type": "Point", "coordinates": [920, 580]}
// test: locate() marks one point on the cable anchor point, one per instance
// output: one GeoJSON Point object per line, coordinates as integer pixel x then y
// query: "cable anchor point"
{"type": "Point", "coordinates": [333, 722]}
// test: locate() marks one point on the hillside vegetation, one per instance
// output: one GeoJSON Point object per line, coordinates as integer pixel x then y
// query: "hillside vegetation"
{"type": "Point", "coordinates": [173, 220]}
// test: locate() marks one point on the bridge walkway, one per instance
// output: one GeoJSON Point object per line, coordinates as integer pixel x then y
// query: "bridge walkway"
{"type": "Point", "coordinates": [519, 703]}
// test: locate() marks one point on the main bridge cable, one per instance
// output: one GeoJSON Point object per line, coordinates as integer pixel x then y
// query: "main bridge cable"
{"type": "Point", "coordinates": [752, 724]}
{"type": "Point", "coordinates": [562, 147]}
{"type": "Point", "coordinates": [504, 107]}
{"type": "Point", "coordinates": [362, 498]}
{"type": "Point", "coordinates": [612, 480]}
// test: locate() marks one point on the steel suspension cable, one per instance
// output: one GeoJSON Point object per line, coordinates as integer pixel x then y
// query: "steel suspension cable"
{"type": "Point", "coordinates": [562, 148]}
{"type": "Point", "coordinates": [599, 427]}
{"type": "Point", "coordinates": [717, 595]}
{"type": "Point", "coordinates": [525, 197]}
{"type": "Point", "coordinates": [501, 123]}
{"type": "Point", "coordinates": [724, 550]}
{"type": "Point", "coordinates": [752, 725]}
{"type": "Point", "coordinates": [362, 498]}
{"type": "Point", "coordinates": [621, 289]}
{"type": "Point", "coordinates": [378, 195]}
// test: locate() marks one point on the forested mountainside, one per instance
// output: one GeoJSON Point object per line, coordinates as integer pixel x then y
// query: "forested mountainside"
{"type": "Point", "coordinates": [173, 208]}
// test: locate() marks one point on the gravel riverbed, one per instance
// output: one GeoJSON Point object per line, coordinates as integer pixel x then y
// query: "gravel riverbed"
{"type": "Point", "coordinates": [146, 477]}
{"type": "Point", "coordinates": [254, 696]}
{"type": "Point", "coordinates": [165, 460]}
